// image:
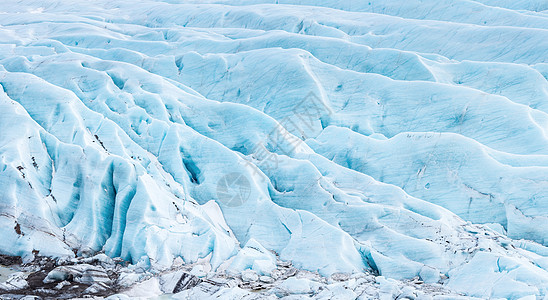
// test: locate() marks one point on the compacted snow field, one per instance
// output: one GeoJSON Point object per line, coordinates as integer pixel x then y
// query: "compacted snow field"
{"type": "Point", "coordinates": [266, 149]}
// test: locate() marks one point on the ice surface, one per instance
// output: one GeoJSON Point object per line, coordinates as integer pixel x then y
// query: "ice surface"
{"type": "Point", "coordinates": [343, 136]}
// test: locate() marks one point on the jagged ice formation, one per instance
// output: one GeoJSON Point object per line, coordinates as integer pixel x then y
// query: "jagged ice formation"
{"type": "Point", "coordinates": [345, 136]}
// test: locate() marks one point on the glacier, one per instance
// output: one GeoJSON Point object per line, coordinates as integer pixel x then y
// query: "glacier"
{"type": "Point", "coordinates": [397, 139]}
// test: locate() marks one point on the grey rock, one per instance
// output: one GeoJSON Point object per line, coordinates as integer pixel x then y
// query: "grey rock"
{"type": "Point", "coordinates": [186, 281]}
{"type": "Point", "coordinates": [91, 276]}
{"type": "Point", "coordinates": [82, 273]}
{"type": "Point", "coordinates": [15, 282]}
{"type": "Point", "coordinates": [96, 288]}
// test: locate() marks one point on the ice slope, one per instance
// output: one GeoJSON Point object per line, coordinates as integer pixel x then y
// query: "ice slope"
{"type": "Point", "coordinates": [449, 170]}
{"type": "Point", "coordinates": [344, 136]}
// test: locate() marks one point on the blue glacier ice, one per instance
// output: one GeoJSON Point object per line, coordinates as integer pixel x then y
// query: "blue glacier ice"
{"type": "Point", "coordinates": [399, 138]}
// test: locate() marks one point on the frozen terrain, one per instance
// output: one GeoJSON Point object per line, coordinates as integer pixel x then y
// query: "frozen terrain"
{"type": "Point", "coordinates": [381, 149]}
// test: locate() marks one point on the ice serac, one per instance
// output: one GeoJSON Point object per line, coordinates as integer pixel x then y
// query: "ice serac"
{"type": "Point", "coordinates": [398, 138]}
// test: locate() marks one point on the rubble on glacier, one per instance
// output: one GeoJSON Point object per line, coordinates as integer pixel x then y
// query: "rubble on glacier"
{"type": "Point", "coordinates": [100, 277]}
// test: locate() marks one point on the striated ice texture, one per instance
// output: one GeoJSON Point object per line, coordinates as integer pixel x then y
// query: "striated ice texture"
{"type": "Point", "coordinates": [345, 136]}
